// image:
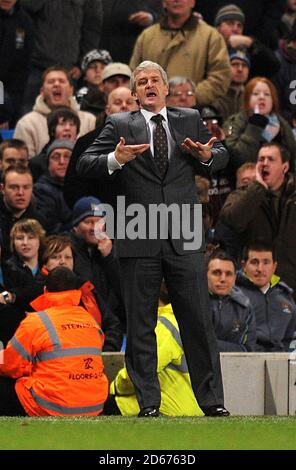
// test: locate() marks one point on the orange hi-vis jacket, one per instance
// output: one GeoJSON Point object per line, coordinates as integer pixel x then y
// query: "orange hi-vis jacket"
{"type": "Point", "coordinates": [87, 298]}
{"type": "Point", "coordinates": [55, 355]}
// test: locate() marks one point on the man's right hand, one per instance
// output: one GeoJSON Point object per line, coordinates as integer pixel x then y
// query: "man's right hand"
{"type": "Point", "coordinates": [126, 153]}
{"type": "Point", "coordinates": [259, 178]}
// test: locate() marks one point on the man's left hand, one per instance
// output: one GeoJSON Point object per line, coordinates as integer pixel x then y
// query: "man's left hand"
{"type": "Point", "coordinates": [198, 150]}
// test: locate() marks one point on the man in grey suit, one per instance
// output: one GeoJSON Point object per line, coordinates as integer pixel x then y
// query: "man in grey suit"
{"type": "Point", "coordinates": [161, 173]}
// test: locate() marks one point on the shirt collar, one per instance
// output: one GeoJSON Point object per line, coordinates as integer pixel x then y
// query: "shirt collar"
{"type": "Point", "coordinates": [148, 114]}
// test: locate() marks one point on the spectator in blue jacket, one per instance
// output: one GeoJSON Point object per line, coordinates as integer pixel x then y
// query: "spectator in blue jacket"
{"type": "Point", "coordinates": [271, 298]}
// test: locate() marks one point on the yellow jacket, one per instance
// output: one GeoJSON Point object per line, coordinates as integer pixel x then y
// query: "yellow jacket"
{"type": "Point", "coordinates": [177, 398]}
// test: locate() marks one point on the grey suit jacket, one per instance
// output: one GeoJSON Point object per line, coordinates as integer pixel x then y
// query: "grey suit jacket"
{"type": "Point", "coordinates": [140, 182]}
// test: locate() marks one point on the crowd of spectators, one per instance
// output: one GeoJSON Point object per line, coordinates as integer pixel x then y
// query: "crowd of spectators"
{"type": "Point", "coordinates": [66, 67]}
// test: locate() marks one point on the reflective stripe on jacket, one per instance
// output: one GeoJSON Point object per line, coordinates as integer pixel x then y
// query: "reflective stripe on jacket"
{"type": "Point", "coordinates": [56, 357]}
{"type": "Point", "coordinates": [177, 398]}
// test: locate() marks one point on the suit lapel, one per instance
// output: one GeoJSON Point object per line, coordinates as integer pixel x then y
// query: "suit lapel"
{"type": "Point", "coordinates": [178, 131]}
{"type": "Point", "coordinates": [176, 124]}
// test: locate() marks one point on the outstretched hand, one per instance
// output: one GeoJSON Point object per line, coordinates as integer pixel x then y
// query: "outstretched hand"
{"type": "Point", "coordinates": [198, 150]}
{"type": "Point", "coordinates": [126, 153]}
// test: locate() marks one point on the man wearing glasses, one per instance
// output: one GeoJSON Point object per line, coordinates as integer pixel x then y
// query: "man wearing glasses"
{"type": "Point", "coordinates": [181, 92]}
{"type": "Point", "coordinates": [48, 190]}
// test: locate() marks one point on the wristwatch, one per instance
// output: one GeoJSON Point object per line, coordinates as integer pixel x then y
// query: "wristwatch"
{"type": "Point", "coordinates": [6, 296]}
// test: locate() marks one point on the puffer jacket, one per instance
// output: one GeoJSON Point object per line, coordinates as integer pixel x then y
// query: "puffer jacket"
{"type": "Point", "coordinates": [234, 321]}
{"type": "Point", "coordinates": [275, 313]}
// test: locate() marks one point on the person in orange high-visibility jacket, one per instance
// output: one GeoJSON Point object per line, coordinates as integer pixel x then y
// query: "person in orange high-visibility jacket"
{"type": "Point", "coordinates": [55, 357]}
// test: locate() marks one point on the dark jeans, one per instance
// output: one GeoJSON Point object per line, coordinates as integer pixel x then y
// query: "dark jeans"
{"type": "Point", "coordinates": [9, 402]}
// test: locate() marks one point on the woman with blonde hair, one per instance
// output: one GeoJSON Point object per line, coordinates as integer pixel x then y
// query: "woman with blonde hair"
{"type": "Point", "coordinates": [259, 122]}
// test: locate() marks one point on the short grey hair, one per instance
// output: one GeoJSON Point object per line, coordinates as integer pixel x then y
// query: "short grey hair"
{"type": "Point", "coordinates": [180, 80]}
{"type": "Point", "coordinates": [147, 65]}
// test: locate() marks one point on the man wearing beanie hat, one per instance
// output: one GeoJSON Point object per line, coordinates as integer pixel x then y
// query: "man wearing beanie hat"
{"type": "Point", "coordinates": [230, 21]}
{"type": "Point", "coordinates": [62, 124]}
{"type": "Point", "coordinates": [87, 207]}
{"type": "Point", "coordinates": [92, 66]}
{"type": "Point", "coordinates": [93, 254]}
{"type": "Point", "coordinates": [59, 144]}
{"type": "Point", "coordinates": [262, 17]}
{"type": "Point", "coordinates": [230, 12]}
{"type": "Point", "coordinates": [232, 101]}
{"type": "Point", "coordinates": [87, 223]}
{"type": "Point", "coordinates": [48, 190]}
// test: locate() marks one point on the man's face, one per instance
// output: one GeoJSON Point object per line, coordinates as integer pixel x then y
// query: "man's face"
{"type": "Point", "coordinates": [259, 267]}
{"type": "Point", "coordinates": [56, 89]}
{"type": "Point", "coordinates": [17, 191]}
{"type": "Point", "coordinates": [12, 155]}
{"type": "Point", "coordinates": [245, 177]}
{"type": "Point", "coordinates": [221, 277]}
{"type": "Point", "coordinates": [271, 168]}
{"type": "Point", "coordinates": [121, 100]}
{"type": "Point", "coordinates": [86, 229]}
{"type": "Point", "coordinates": [114, 82]}
{"type": "Point", "coordinates": [66, 129]}
{"type": "Point", "coordinates": [150, 90]}
{"type": "Point", "coordinates": [58, 163]}
{"type": "Point", "coordinates": [7, 5]}
{"type": "Point", "coordinates": [178, 7]}
{"type": "Point", "coordinates": [239, 71]}
{"type": "Point", "coordinates": [93, 74]}
{"type": "Point", "coordinates": [230, 27]}
{"type": "Point", "coordinates": [182, 95]}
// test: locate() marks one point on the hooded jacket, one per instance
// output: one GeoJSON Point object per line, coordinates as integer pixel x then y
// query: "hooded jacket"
{"type": "Point", "coordinates": [32, 127]}
{"type": "Point", "coordinates": [55, 355]}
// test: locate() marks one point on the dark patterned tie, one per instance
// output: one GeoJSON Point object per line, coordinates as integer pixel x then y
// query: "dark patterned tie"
{"type": "Point", "coordinates": [160, 143]}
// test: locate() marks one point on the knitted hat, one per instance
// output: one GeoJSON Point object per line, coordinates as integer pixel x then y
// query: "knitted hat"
{"type": "Point", "coordinates": [117, 68]}
{"type": "Point", "coordinates": [210, 112]}
{"type": "Point", "coordinates": [229, 12]}
{"type": "Point", "coordinates": [100, 55]}
{"type": "Point", "coordinates": [240, 54]}
{"type": "Point", "coordinates": [59, 144]}
{"type": "Point", "coordinates": [87, 207]}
